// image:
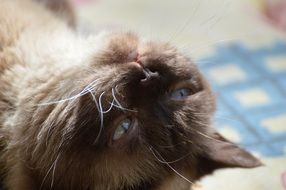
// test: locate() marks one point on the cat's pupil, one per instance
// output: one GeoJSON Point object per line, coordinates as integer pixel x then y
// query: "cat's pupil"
{"type": "Point", "coordinates": [180, 94]}
{"type": "Point", "coordinates": [125, 125]}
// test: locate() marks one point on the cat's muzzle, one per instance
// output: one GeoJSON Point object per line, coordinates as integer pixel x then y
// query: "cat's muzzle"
{"type": "Point", "coordinates": [149, 77]}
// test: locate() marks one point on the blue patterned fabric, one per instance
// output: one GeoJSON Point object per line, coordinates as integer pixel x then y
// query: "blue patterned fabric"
{"type": "Point", "coordinates": [251, 89]}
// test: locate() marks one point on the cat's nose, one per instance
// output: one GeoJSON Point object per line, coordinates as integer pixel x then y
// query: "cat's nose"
{"type": "Point", "coordinates": [149, 77]}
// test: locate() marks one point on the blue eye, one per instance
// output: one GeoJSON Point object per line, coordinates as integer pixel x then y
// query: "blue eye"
{"type": "Point", "coordinates": [122, 129]}
{"type": "Point", "coordinates": [181, 94]}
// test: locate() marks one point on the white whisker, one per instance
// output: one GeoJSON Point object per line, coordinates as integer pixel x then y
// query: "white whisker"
{"type": "Point", "coordinates": [54, 170]}
{"type": "Point", "coordinates": [118, 105]}
{"type": "Point", "coordinates": [100, 114]}
{"type": "Point", "coordinates": [162, 160]}
{"type": "Point", "coordinates": [63, 100]}
{"type": "Point", "coordinates": [181, 29]}
{"type": "Point", "coordinates": [82, 93]}
{"type": "Point", "coordinates": [110, 108]}
{"type": "Point", "coordinates": [209, 137]}
{"type": "Point", "coordinates": [117, 102]}
{"type": "Point", "coordinates": [48, 172]}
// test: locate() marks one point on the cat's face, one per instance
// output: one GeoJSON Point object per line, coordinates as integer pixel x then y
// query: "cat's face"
{"type": "Point", "coordinates": [141, 111]}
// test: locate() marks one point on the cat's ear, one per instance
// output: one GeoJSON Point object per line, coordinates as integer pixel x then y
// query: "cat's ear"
{"type": "Point", "coordinates": [221, 153]}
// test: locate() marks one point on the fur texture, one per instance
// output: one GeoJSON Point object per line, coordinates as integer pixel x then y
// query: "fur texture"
{"type": "Point", "coordinates": [62, 96]}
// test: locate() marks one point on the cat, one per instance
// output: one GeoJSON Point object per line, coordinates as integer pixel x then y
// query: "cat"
{"type": "Point", "coordinates": [107, 112]}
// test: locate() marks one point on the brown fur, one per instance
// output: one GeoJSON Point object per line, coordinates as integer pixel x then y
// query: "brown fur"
{"type": "Point", "coordinates": [54, 145]}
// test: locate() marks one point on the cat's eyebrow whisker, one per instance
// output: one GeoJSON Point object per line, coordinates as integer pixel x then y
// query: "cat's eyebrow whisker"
{"type": "Point", "coordinates": [124, 109]}
{"type": "Point", "coordinates": [110, 108]}
{"type": "Point", "coordinates": [99, 108]}
{"type": "Point", "coordinates": [163, 161]}
{"type": "Point", "coordinates": [121, 108]}
{"type": "Point", "coordinates": [64, 100]}
{"type": "Point", "coordinates": [118, 105]}
{"type": "Point", "coordinates": [85, 91]}
{"type": "Point", "coordinates": [116, 91]}
{"type": "Point", "coordinates": [117, 102]}
{"type": "Point", "coordinates": [101, 116]}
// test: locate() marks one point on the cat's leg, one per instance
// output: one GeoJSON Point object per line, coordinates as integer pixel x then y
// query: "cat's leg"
{"type": "Point", "coordinates": [62, 8]}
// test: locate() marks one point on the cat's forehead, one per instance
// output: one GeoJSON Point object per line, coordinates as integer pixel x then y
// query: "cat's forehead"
{"type": "Point", "coordinates": [123, 48]}
{"type": "Point", "coordinates": [141, 72]}
{"type": "Point", "coordinates": [125, 60]}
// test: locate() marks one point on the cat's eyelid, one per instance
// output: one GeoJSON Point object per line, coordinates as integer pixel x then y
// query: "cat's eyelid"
{"type": "Point", "coordinates": [182, 84]}
{"type": "Point", "coordinates": [180, 94]}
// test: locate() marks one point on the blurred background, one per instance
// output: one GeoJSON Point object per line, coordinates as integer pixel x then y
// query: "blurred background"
{"type": "Point", "coordinates": [240, 45]}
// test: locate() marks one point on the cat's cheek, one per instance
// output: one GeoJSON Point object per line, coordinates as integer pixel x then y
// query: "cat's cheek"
{"type": "Point", "coordinates": [203, 102]}
{"type": "Point", "coordinates": [193, 101]}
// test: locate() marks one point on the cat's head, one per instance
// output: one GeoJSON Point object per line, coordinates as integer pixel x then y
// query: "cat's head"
{"type": "Point", "coordinates": [138, 113]}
